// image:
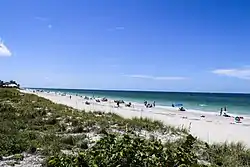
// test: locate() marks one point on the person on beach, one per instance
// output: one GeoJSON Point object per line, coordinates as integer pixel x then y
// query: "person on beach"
{"type": "Point", "coordinates": [69, 97]}
{"type": "Point", "coordinates": [118, 103]}
{"type": "Point", "coordinates": [154, 104]}
{"type": "Point", "coordinates": [221, 110]}
{"type": "Point", "coordinates": [182, 109]}
{"type": "Point", "coordinates": [128, 105]}
{"type": "Point", "coordinates": [225, 108]}
{"type": "Point", "coordinates": [145, 103]}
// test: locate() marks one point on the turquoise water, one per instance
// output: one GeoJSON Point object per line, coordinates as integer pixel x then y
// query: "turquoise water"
{"type": "Point", "coordinates": [210, 102]}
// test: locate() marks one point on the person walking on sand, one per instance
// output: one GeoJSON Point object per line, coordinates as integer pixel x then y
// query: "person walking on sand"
{"type": "Point", "coordinates": [221, 110]}
{"type": "Point", "coordinates": [69, 97]}
{"type": "Point", "coordinates": [154, 104]}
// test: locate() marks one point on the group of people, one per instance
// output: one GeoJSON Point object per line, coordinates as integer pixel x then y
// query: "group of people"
{"type": "Point", "coordinates": [181, 108]}
{"type": "Point", "coordinates": [148, 105]}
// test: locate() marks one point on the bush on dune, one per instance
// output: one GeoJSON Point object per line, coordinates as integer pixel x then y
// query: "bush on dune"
{"type": "Point", "coordinates": [130, 151]}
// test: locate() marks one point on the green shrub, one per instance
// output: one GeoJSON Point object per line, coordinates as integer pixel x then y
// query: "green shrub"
{"type": "Point", "coordinates": [18, 157]}
{"type": "Point", "coordinates": [130, 151]}
{"type": "Point", "coordinates": [68, 140]}
{"type": "Point", "coordinates": [51, 121]}
{"type": "Point", "coordinates": [78, 129]}
{"type": "Point", "coordinates": [12, 144]}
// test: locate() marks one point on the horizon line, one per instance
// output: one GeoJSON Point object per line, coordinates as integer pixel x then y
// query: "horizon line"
{"type": "Point", "coordinates": [136, 90]}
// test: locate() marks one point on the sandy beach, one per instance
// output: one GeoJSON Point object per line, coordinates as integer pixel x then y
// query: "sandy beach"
{"type": "Point", "coordinates": [211, 128]}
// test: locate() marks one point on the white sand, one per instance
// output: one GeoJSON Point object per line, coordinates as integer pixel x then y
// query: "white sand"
{"type": "Point", "coordinates": [211, 129]}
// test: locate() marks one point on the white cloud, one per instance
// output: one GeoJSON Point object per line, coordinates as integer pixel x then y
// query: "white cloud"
{"type": "Point", "coordinates": [114, 65]}
{"type": "Point", "coordinates": [118, 28]}
{"type": "Point", "coordinates": [49, 26]}
{"type": "Point", "coordinates": [47, 78]}
{"type": "Point", "coordinates": [41, 18]}
{"type": "Point", "coordinates": [241, 73]}
{"type": "Point", "coordinates": [4, 51]}
{"type": "Point", "coordinates": [45, 20]}
{"type": "Point", "coordinates": [156, 77]}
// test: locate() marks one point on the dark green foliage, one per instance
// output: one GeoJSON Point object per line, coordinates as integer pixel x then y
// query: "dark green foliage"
{"type": "Point", "coordinates": [83, 144]}
{"type": "Point", "coordinates": [12, 144]}
{"type": "Point", "coordinates": [18, 116]}
{"type": "Point", "coordinates": [68, 140]}
{"type": "Point", "coordinates": [130, 151]}
{"type": "Point", "coordinates": [184, 154]}
{"type": "Point", "coordinates": [78, 129]}
{"type": "Point", "coordinates": [5, 84]}
{"type": "Point", "coordinates": [145, 123]}
{"type": "Point", "coordinates": [67, 161]}
{"type": "Point", "coordinates": [51, 121]}
{"type": "Point", "coordinates": [18, 157]}
{"type": "Point", "coordinates": [233, 154]}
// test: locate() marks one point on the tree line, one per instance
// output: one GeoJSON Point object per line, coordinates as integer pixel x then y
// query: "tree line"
{"type": "Point", "coordinates": [9, 84]}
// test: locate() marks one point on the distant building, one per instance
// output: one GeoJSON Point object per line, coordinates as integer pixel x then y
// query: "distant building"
{"type": "Point", "coordinates": [8, 85]}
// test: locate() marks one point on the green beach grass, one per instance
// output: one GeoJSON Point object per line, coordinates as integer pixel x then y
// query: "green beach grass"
{"type": "Point", "coordinates": [70, 137]}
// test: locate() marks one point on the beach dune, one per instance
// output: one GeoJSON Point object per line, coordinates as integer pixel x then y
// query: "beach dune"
{"type": "Point", "coordinates": [210, 128]}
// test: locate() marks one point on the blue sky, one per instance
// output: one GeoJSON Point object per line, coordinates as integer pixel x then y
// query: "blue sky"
{"type": "Point", "coordinates": [177, 45]}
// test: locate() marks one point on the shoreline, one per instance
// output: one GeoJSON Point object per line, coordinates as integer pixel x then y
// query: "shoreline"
{"type": "Point", "coordinates": [211, 128]}
{"type": "Point", "coordinates": [194, 101]}
{"type": "Point", "coordinates": [158, 106]}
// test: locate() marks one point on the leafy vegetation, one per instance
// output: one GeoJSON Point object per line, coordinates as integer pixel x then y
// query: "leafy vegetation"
{"type": "Point", "coordinates": [29, 121]}
{"type": "Point", "coordinates": [70, 137]}
{"type": "Point", "coordinates": [6, 84]}
{"type": "Point", "coordinates": [127, 150]}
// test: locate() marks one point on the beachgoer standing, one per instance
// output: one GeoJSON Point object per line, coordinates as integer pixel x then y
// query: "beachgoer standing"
{"type": "Point", "coordinates": [154, 103]}
{"type": "Point", "coordinates": [69, 97]}
{"type": "Point", "coordinates": [221, 110]}
{"type": "Point", "coordinates": [225, 108]}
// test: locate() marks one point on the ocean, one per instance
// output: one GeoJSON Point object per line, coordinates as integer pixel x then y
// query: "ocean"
{"type": "Point", "coordinates": [207, 102]}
